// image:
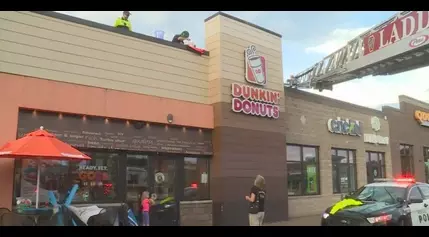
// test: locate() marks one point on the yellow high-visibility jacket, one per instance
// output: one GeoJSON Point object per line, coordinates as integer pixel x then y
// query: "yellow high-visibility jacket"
{"type": "Point", "coordinates": [121, 22]}
{"type": "Point", "coordinates": [343, 204]}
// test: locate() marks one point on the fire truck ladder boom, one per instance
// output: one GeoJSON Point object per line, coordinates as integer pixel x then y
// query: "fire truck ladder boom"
{"type": "Point", "coordinates": [397, 45]}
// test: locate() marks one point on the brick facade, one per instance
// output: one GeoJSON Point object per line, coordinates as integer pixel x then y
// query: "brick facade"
{"type": "Point", "coordinates": [196, 213]}
{"type": "Point", "coordinates": [306, 124]}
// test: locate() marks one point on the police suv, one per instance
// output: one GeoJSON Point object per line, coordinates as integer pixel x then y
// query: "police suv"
{"type": "Point", "coordinates": [401, 202]}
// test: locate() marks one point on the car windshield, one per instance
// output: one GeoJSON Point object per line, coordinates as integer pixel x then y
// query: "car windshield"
{"type": "Point", "coordinates": [388, 194]}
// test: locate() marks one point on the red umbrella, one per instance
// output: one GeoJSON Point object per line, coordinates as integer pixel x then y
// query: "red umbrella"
{"type": "Point", "coordinates": [40, 144]}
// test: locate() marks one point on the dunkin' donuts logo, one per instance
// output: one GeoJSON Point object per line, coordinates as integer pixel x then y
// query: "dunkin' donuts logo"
{"type": "Point", "coordinates": [256, 68]}
{"type": "Point", "coordinates": [255, 101]}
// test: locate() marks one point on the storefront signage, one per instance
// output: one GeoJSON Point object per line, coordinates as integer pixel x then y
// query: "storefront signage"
{"type": "Point", "coordinates": [422, 118]}
{"type": "Point", "coordinates": [256, 67]}
{"type": "Point", "coordinates": [204, 178]}
{"type": "Point", "coordinates": [92, 168]}
{"type": "Point", "coordinates": [255, 101]}
{"type": "Point", "coordinates": [344, 126]}
{"type": "Point", "coordinates": [375, 138]}
{"type": "Point", "coordinates": [95, 133]}
{"type": "Point", "coordinates": [159, 178]}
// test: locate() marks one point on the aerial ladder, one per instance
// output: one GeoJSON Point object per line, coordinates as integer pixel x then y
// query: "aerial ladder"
{"type": "Point", "coordinates": [397, 45]}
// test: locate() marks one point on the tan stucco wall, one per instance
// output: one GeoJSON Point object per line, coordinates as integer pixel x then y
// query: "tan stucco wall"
{"type": "Point", "coordinates": [314, 131]}
{"type": "Point", "coordinates": [40, 46]}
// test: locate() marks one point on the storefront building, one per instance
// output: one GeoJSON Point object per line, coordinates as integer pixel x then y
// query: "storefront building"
{"type": "Point", "coordinates": [409, 132]}
{"type": "Point", "coordinates": [137, 106]}
{"type": "Point", "coordinates": [192, 129]}
{"type": "Point", "coordinates": [333, 147]}
{"type": "Point", "coordinates": [247, 94]}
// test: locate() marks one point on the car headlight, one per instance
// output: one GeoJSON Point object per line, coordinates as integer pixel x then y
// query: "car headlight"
{"type": "Point", "coordinates": [325, 215]}
{"type": "Point", "coordinates": [378, 219]}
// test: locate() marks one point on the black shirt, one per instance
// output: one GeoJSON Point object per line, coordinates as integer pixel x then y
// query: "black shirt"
{"type": "Point", "coordinates": [259, 195]}
{"type": "Point", "coordinates": [176, 39]}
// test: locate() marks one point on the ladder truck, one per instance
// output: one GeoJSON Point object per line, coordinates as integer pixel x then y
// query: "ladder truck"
{"type": "Point", "coordinates": [397, 45]}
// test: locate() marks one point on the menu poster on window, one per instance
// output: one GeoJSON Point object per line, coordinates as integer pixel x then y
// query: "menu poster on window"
{"type": "Point", "coordinates": [311, 179]}
{"type": "Point", "coordinates": [50, 177]}
{"type": "Point", "coordinates": [204, 178]}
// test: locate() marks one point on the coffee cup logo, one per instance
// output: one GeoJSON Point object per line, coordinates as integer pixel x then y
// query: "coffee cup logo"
{"type": "Point", "coordinates": [256, 70]}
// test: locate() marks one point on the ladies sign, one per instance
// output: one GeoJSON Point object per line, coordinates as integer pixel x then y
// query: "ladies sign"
{"type": "Point", "coordinates": [255, 101]}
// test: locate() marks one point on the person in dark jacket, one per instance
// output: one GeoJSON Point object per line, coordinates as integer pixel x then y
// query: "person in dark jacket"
{"type": "Point", "coordinates": [180, 38]}
{"type": "Point", "coordinates": [257, 202]}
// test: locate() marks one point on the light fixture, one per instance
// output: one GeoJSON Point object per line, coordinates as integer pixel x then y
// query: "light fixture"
{"type": "Point", "coordinates": [169, 118]}
{"type": "Point", "coordinates": [184, 129]}
{"type": "Point", "coordinates": [147, 125]}
{"type": "Point", "coordinates": [138, 125]}
{"type": "Point", "coordinates": [84, 118]}
{"type": "Point", "coordinates": [166, 127]}
{"type": "Point", "coordinates": [60, 116]}
{"type": "Point", "coordinates": [127, 123]}
{"type": "Point", "coordinates": [34, 113]}
{"type": "Point", "coordinates": [106, 120]}
{"type": "Point", "coordinates": [200, 130]}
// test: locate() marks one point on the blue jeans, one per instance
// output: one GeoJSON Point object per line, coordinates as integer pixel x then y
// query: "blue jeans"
{"type": "Point", "coordinates": [145, 218]}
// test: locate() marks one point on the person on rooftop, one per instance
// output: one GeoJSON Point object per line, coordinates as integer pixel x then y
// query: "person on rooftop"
{"type": "Point", "coordinates": [123, 22]}
{"type": "Point", "coordinates": [180, 38]}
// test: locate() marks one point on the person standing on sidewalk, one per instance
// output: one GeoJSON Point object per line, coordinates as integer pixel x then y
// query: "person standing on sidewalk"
{"type": "Point", "coordinates": [257, 202]}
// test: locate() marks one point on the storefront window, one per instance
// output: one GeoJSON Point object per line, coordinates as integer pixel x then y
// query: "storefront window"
{"type": "Point", "coordinates": [407, 159]}
{"type": "Point", "coordinates": [96, 178]}
{"type": "Point", "coordinates": [343, 170]}
{"type": "Point", "coordinates": [196, 179]}
{"type": "Point", "coordinates": [137, 179]}
{"type": "Point", "coordinates": [375, 166]}
{"type": "Point", "coordinates": [302, 170]}
{"type": "Point", "coordinates": [426, 159]}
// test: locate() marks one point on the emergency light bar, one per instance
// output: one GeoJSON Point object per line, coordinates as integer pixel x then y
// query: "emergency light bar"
{"type": "Point", "coordinates": [401, 180]}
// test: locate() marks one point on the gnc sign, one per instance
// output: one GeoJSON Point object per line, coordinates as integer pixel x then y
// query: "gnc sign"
{"type": "Point", "coordinates": [254, 100]}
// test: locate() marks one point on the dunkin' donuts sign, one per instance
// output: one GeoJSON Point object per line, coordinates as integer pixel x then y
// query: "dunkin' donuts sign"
{"type": "Point", "coordinates": [255, 100]}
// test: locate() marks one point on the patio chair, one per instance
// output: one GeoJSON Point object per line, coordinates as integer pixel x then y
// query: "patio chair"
{"type": "Point", "coordinates": [14, 219]}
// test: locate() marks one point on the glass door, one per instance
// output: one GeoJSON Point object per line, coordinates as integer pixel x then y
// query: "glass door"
{"type": "Point", "coordinates": [165, 190]}
{"type": "Point", "coordinates": [137, 181]}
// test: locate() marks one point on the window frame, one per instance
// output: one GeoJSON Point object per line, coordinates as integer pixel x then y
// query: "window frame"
{"type": "Point", "coordinates": [301, 148]}
{"type": "Point", "coordinates": [383, 165]}
{"type": "Point", "coordinates": [208, 160]}
{"type": "Point", "coordinates": [418, 190]}
{"type": "Point", "coordinates": [410, 156]}
{"type": "Point", "coordinates": [426, 159]}
{"type": "Point", "coordinates": [122, 172]}
{"type": "Point", "coordinates": [423, 194]}
{"type": "Point", "coordinates": [120, 190]}
{"type": "Point", "coordinates": [348, 169]}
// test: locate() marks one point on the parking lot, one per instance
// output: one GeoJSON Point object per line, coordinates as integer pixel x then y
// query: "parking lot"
{"type": "Point", "coordinates": [299, 221]}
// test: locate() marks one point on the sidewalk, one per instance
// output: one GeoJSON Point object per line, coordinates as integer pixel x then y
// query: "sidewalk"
{"type": "Point", "coordinates": [298, 221]}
